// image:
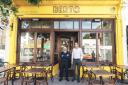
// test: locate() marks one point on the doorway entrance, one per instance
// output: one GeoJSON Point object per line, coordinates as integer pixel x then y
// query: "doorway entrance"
{"type": "Point", "coordinates": [65, 39]}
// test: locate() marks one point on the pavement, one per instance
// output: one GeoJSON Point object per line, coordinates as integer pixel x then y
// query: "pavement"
{"type": "Point", "coordinates": [63, 82]}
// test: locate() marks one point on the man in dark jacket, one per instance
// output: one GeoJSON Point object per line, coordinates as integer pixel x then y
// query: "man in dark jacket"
{"type": "Point", "coordinates": [65, 57]}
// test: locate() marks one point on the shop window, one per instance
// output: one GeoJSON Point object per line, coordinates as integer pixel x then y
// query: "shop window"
{"type": "Point", "coordinates": [26, 47]}
{"type": "Point", "coordinates": [43, 47]}
{"type": "Point", "coordinates": [25, 24]}
{"type": "Point", "coordinates": [36, 24]}
{"type": "Point", "coordinates": [105, 47]}
{"type": "Point", "coordinates": [107, 24]}
{"type": "Point", "coordinates": [89, 46]}
{"type": "Point", "coordinates": [56, 24]}
{"type": "Point", "coordinates": [76, 24]}
{"type": "Point", "coordinates": [29, 52]}
{"type": "Point", "coordinates": [3, 57]}
{"type": "Point", "coordinates": [86, 24]}
{"type": "Point", "coordinates": [66, 24]}
{"type": "Point", "coordinates": [96, 24]}
{"type": "Point", "coordinates": [97, 46]}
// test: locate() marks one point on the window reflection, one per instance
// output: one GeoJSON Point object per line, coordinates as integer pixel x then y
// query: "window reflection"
{"type": "Point", "coordinates": [76, 24]}
{"type": "Point", "coordinates": [27, 47]}
{"type": "Point", "coordinates": [105, 46]}
{"type": "Point", "coordinates": [96, 24]}
{"type": "Point", "coordinates": [36, 24]}
{"type": "Point", "coordinates": [66, 24]}
{"type": "Point", "coordinates": [106, 24]}
{"type": "Point", "coordinates": [56, 24]}
{"type": "Point", "coordinates": [43, 47]}
{"type": "Point", "coordinates": [86, 24]}
{"type": "Point", "coordinates": [89, 46]}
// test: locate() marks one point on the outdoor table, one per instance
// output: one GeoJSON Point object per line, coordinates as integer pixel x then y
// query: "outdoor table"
{"type": "Point", "coordinates": [122, 67]}
{"type": "Point", "coordinates": [9, 67]}
{"type": "Point", "coordinates": [34, 71]}
{"type": "Point", "coordinates": [102, 73]}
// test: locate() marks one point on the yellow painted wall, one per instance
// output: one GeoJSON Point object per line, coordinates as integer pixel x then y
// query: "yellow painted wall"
{"type": "Point", "coordinates": [88, 9]}
{"type": "Point", "coordinates": [13, 39]}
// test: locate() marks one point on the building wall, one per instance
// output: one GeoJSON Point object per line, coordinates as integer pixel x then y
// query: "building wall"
{"type": "Point", "coordinates": [69, 9]}
{"type": "Point", "coordinates": [125, 23]}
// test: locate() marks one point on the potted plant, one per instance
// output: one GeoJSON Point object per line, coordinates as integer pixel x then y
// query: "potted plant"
{"type": "Point", "coordinates": [34, 2]}
{"type": "Point", "coordinates": [6, 8]}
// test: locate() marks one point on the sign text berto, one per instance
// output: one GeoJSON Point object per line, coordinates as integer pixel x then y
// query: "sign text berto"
{"type": "Point", "coordinates": [66, 9]}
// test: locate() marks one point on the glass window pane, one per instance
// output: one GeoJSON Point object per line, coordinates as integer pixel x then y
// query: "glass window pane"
{"type": "Point", "coordinates": [105, 47]}
{"type": "Point", "coordinates": [36, 24]}
{"type": "Point", "coordinates": [3, 43]}
{"type": "Point", "coordinates": [76, 24]}
{"type": "Point", "coordinates": [56, 24]}
{"type": "Point", "coordinates": [89, 46]}
{"type": "Point", "coordinates": [107, 24]}
{"type": "Point", "coordinates": [26, 47]}
{"type": "Point", "coordinates": [86, 24]}
{"type": "Point", "coordinates": [47, 24]}
{"type": "Point", "coordinates": [66, 24]}
{"type": "Point", "coordinates": [96, 25]}
{"type": "Point", "coordinates": [25, 24]}
{"type": "Point", "coordinates": [43, 47]}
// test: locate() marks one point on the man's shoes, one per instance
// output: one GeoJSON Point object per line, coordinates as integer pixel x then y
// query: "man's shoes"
{"type": "Point", "coordinates": [78, 81]}
{"type": "Point", "coordinates": [67, 79]}
{"type": "Point", "coordinates": [60, 79]}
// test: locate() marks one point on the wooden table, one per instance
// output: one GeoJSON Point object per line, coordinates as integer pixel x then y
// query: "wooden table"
{"type": "Point", "coordinates": [102, 73]}
{"type": "Point", "coordinates": [34, 71]}
{"type": "Point", "coordinates": [7, 68]}
{"type": "Point", "coordinates": [122, 67]}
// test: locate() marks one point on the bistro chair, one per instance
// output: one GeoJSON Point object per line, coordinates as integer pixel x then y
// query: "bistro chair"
{"type": "Point", "coordinates": [42, 78]}
{"type": "Point", "coordinates": [20, 69]}
{"type": "Point", "coordinates": [92, 79]}
{"type": "Point", "coordinates": [50, 71]}
{"type": "Point", "coordinates": [4, 79]}
{"type": "Point", "coordinates": [48, 68]}
{"type": "Point", "coordinates": [96, 81]}
{"type": "Point", "coordinates": [87, 67]}
{"type": "Point", "coordinates": [26, 77]}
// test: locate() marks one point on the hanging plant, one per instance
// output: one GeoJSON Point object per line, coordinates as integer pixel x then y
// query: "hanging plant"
{"type": "Point", "coordinates": [6, 8]}
{"type": "Point", "coordinates": [34, 2]}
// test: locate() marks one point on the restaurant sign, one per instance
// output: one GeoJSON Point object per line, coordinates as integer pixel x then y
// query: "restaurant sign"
{"type": "Point", "coordinates": [66, 9]}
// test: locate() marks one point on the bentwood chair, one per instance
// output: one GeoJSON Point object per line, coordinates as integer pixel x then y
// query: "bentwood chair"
{"type": "Point", "coordinates": [50, 71]}
{"type": "Point", "coordinates": [26, 78]}
{"type": "Point", "coordinates": [42, 78]}
{"type": "Point", "coordinates": [4, 79]}
{"type": "Point", "coordinates": [20, 69]}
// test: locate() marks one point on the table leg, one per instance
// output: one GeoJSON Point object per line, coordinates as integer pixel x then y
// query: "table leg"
{"type": "Point", "coordinates": [35, 79]}
{"type": "Point", "coordinates": [101, 80]}
{"type": "Point", "coordinates": [122, 76]}
{"type": "Point", "coordinates": [13, 75]}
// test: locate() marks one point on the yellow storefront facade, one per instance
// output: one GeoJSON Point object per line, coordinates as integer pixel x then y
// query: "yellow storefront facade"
{"type": "Point", "coordinates": [85, 13]}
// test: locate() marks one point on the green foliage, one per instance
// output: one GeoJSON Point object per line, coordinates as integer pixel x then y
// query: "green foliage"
{"type": "Point", "coordinates": [6, 7]}
{"type": "Point", "coordinates": [5, 2]}
{"type": "Point", "coordinates": [34, 2]}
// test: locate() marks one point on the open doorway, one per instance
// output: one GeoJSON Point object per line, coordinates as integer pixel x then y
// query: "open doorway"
{"type": "Point", "coordinates": [65, 39]}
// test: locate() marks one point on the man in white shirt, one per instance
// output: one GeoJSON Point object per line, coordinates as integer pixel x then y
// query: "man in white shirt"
{"type": "Point", "coordinates": [77, 55]}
